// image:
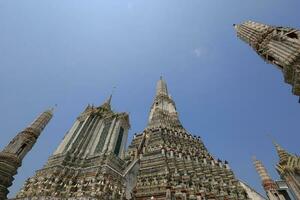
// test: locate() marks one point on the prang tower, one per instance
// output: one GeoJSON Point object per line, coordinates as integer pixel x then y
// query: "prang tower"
{"type": "Point", "coordinates": [88, 162]}
{"type": "Point", "coordinates": [288, 168]}
{"type": "Point", "coordinates": [12, 155]}
{"type": "Point", "coordinates": [268, 184]}
{"type": "Point", "coordinates": [276, 45]}
{"type": "Point", "coordinates": [174, 164]}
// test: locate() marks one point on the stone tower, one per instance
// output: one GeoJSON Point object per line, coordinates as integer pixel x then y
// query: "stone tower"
{"type": "Point", "coordinates": [88, 162]}
{"type": "Point", "coordinates": [288, 168]}
{"type": "Point", "coordinates": [174, 164]}
{"type": "Point", "coordinates": [276, 45]}
{"type": "Point", "coordinates": [269, 185]}
{"type": "Point", "coordinates": [12, 155]}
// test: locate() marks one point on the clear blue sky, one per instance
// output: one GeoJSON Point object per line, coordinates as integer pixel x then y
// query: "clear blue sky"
{"type": "Point", "coordinates": [73, 52]}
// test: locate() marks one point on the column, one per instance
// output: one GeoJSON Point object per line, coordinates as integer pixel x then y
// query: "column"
{"type": "Point", "coordinates": [109, 135]}
{"type": "Point", "coordinates": [124, 142]}
{"type": "Point", "coordinates": [114, 137]}
{"type": "Point", "coordinates": [95, 138]}
{"type": "Point", "coordinates": [78, 132]}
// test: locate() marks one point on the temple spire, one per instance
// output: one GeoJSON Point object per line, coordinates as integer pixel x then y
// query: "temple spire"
{"type": "Point", "coordinates": [161, 87]}
{"type": "Point", "coordinates": [267, 182]}
{"type": "Point", "coordinates": [163, 111]}
{"type": "Point", "coordinates": [38, 125]}
{"type": "Point", "coordinates": [282, 153]}
{"type": "Point", "coordinates": [277, 45]}
{"type": "Point", "coordinates": [12, 155]}
{"type": "Point", "coordinates": [261, 170]}
{"type": "Point", "coordinates": [107, 102]}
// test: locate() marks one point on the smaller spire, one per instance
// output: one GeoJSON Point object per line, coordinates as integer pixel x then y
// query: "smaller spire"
{"type": "Point", "coordinates": [52, 109]}
{"type": "Point", "coordinates": [282, 153]}
{"type": "Point", "coordinates": [261, 170]}
{"type": "Point", "coordinates": [161, 87]}
{"type": "Point", "coordinates": [42, 120]}
{"type": "Point", "coordinates": [12, 155]}
{"type": "Point", "coordinates": [267, 181]}
{"type": "Point", "coordinates": [107, 102]}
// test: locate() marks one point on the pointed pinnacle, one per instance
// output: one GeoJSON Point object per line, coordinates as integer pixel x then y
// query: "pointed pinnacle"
{"type": "Point", "coordinates": [109, 99]}
{"type": "Point", "coordinates": [52, 108]}
{"type": "Point", "coordinates": [274, 141]}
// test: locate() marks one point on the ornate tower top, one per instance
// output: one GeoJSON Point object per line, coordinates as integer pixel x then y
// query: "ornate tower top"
{"type": "Point", "coordinates": [253, 33]}
{"type": "Point", "coordinates": [12, 155]}
{"type": "Point", "coordinates": [269, 185]}
{"type": "Point", "coordinates": [23, 142]}
{"type": "Point", "coordinates": [163, 110]}
{"type": "Point", "coordinates": [267, 181]}
{"type": "Point", "coordinates": [41, 121]}
{"type": "Point", "coordinates": [161, 87]}
{"type": "Point", "coordinates": [107, 103]}
{"type": "Point", "coordinates": [276, 45]}
{"type": "Point", "coordinates": [282, 153]}
{"type": "Point", "coordinates": [288, 169]}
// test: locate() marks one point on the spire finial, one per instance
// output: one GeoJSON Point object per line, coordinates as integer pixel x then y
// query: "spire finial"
{"type": "Point", "coordinates": [110, 96]}
{"type": "Point", "coordinates": [273, 140]}
{"type": "Point", "coordinates": [161, 87]}
{"type": "Point", "coordinates": [282, 153]}
{"type": "Point", "coordinates": [277, 146]}
{"type": "Point", "coordinates": [52, 108]}
{"type": "Point", "coordinates": [108, 101]}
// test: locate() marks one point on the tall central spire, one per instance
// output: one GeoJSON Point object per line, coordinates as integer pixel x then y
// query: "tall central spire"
{"type": "Point", "coordinates": [161, 87]}
{"type": "Point", "coordinates": [171, 163]}
{"type": "Point", "coordinates": [163, 110]}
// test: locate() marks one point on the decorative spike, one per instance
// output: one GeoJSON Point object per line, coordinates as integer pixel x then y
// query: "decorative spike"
{"type": "Point", "coordinates": [161, 87]}
{"type": "Point", "coordinates": [109, 99]}
{"type": "Point", "coordinates": [107, 103]}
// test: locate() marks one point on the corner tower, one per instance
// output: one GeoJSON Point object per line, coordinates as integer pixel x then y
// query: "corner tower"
{"type": "Point", "coordinates": [12, 155]}
{"type": "Point", "coordinates": [288, 168]}
{"type": "Point", "coordinates": [88, 162]}
{"type": "Point", "coordinates": [276, 45]}
{"type": "Point", "coordinates": [174, 163]}
{"type": "Point", "coordinates": [268, 184]}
